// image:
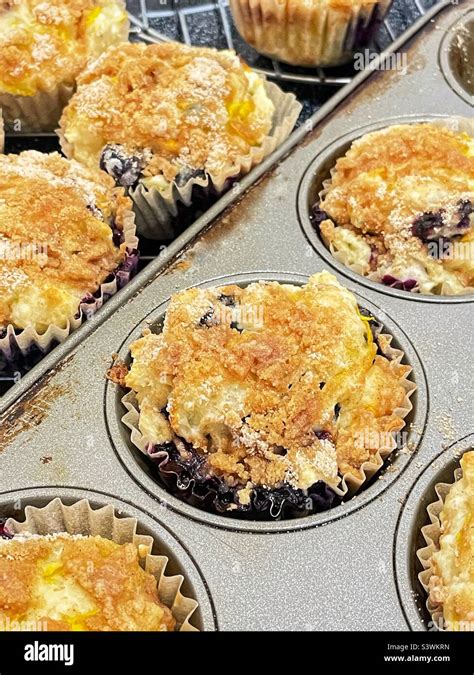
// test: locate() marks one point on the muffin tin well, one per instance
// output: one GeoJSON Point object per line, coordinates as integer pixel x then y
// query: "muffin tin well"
{"type": "Point", "coordinates": [145, 473]}
{"type": "Point", "coordinates": [457, 57]}
{"type": "Point", "coordinates": [345, 569]}
{"type": "Point", "coordinates": [409, 537]}
{"type": "Point", "coordinates": [13, 504]}
{"type": "Point", "coordinates": [312, 183]}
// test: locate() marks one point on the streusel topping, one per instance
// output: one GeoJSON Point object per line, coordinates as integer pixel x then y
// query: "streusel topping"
{"type": "Point", "coordinates": [272, 383]}
{"type": "Point", "coordinates": [403, 191]}
{"type": "Point", "coordinates": [45, 42]}
{"type": "Point", "coordinates": [78, 583]}
{"type": "Point", "coordinates": [56, 237]}
{"type": "Point", "coordinates": [190, 107]}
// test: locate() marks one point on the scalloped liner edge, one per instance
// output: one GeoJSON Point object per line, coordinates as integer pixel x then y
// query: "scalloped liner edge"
{"type": "Point", "coordinates": [29, 337]}
{"type": "Point", "coordinates": [431, 534]}
{"type": "Point", "coordinates": [156, 210]}
{"type": "Point", "coordinates": [350, 484]}
{"type": "Point", "coordinates": [81, 518]}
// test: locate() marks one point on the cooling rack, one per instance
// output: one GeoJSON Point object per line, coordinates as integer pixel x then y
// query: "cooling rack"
{"type": "Point", "coordinates": [200, 22]}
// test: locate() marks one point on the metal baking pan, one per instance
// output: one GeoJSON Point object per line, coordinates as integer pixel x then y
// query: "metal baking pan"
{"type": "Point", "coordinates": [195, 22]}
{"type": "Point", "coordinates": [348, 568]}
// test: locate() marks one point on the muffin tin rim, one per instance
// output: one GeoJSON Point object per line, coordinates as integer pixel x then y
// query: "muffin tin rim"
{"type": "Point", "coordinates": [131, 461]}
{"type": "Point", "coordinates": [179, 554]}
{"type": "Point", "coordinates": [329, 154]}
{"type": "Point", "coordinates": [411, 518]}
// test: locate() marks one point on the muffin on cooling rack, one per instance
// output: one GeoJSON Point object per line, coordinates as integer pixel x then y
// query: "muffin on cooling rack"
{"type": "Point", "coordinates": [448, 558]}
{"type": "Point", "coordinates": [173, 123]}
{"type": "Point", "coordinates": [269, 401]}
{"type": "Point", "coordinates": [67, 242]}
{"type": "Point", "coordinates": [308, 32]}
{"type": "Point", "coordinates": [78, 568]}
{"type": "Point", "coordinates": [399, 207]}
{"type": "Point", "coordinates": [44, 45]}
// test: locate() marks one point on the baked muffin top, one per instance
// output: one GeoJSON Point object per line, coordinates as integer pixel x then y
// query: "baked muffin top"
{"type": "Point", "coordinates": [272, 383]}
{"type": "Point", "coordinates": [397, 203]}
{"type": "Point", "coordinates": [452, 582]}
{"type": "Point", "coordinates": [46, 42]}
{"type": "Point", "coordinates": [78, 583]}
{"type": "Point", "coordinates": [169, 106]}
{"type": "Point", "coordinates": [56, 237]}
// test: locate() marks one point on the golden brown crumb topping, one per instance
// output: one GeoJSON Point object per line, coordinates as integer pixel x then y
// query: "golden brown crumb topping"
{"type": "Point", "coordinates": [452, 583]}
{"type": "Point", "coordinates": [187, 106]}
{"type": "Point", "coordinates": [45, 42]}
{"type": "Point", "coordinates": [397, 197]}
{"type": "Point", "coordinates": [78, 583]}
{"type": "Point", "coordinates": [56, 241]}
{"type": "Point", "coordinates": [273, 383]}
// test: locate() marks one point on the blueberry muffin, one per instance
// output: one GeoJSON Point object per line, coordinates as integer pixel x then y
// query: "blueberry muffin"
{"type": "Point", "coordinates": [451, 580]}
{"type": "Point", "coordinates": [399, 208]}
{"type": "Point", "coordinates": [44, 45]}
{"type": "Point", "coordinates": [308, 32]}
{"type": "Point", "coordinates": [270, 400]}
{"type": "Point", "coordinates": [67, 242]}
{"type": "Point", "coordinates": [163, 118]}
{"type": "Point", "coordinates": [75, 583]}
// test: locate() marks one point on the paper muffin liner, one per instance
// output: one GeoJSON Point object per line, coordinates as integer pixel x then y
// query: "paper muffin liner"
{"type": "Point", "coordinates": [22, 349]}
{"type": "Point", "coordinates": [456, 124]}
{"type": "Point", "coordinates": [81, 519]}
{"type": "Point", "coordinates": [312, 33]}
{"type": "Point", "coordinates": [2, 132]}
{"type": "Point", "coordinates": [162, 214]}
{"type": "Point", "coordinates": [431, 534]}
{"type": "Point", "coordinates": [182, 478]}
{"type": "Point", "coordinates": [38, 113]}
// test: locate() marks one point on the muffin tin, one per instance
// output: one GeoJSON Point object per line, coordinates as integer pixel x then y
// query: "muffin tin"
{"type": "Point", "coordinates": [349, 568]}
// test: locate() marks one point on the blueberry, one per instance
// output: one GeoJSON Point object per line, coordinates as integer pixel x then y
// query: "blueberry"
{"type": "Point", "coordinates": [227, 300]}
{"type": "Point", "coordinates": [337, 410]}
{"type": "Point", "coordinates": [323, 435]}
{"type": "Point", "coordinates": [208, 319]}
{"type": "Point", "coordinates": [393, 282]}
{"type": "Point", "coordinates": [317, 216]}
{"type": "Point", "coordinates": [424, 226]}
{"type": "Point", "coordinates": [125, 169]}
{"type": "Point", "coordinates": [235, 326]}
{"type": "Point", "coordinates": [164, 447]}
{"type": "Point", "coordinates": [465, 210]}
{"type": "Point", "coordinates": [186, 174]}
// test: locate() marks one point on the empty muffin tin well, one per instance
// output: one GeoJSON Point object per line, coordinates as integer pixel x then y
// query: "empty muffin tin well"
{"type": "Point", "coordinates": [311, 185]}
{"type": "Point", "coordinates": [144, 471]}
{"type": "Point", "coordinates": [409, 537]}
{"type": "Point", "coordinates": [13, 504]}
{"type": "Point", "coordinates": [457, 57]}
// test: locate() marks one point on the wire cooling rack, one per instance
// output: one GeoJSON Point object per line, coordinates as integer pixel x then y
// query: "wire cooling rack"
{"type": "Point", "coordinates": [204, 22]}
